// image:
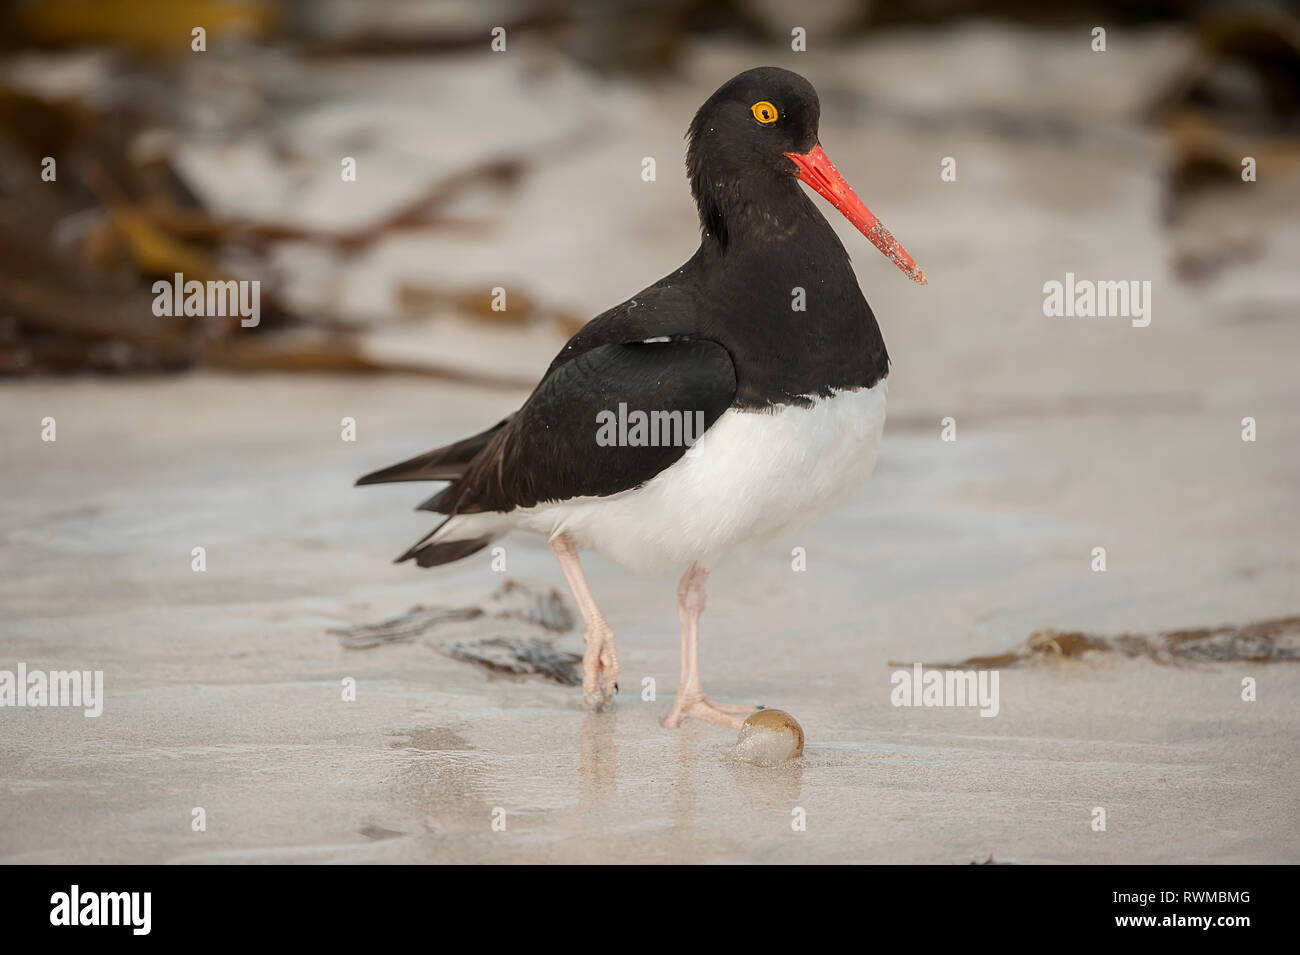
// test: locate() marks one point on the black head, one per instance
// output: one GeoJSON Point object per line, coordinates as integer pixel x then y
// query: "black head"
{"type": "Point", "coordinates": [748, 144]}
{"type": "Point", "coordinates": [749, 125]}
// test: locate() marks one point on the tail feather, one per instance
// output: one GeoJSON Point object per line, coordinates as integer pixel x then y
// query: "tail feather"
{"type": "Point", "coordinates": [444, 552]}
{"type": "Point", "coordinates": [427, 552]}
{"type": "Point", "coordinates": [438, 501]}
{"type": "Point", "coordinates": [415, 548]}
{"type": "Point", "coordinates": [448, 463]}
{"type": "Point", "coordinates": [441, 464]}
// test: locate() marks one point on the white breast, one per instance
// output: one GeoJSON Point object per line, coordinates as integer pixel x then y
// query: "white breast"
{"type": "Point", "coordinates": [752, 476]}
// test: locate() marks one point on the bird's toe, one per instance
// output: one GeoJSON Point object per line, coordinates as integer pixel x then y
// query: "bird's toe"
{"type": "Point", "coordinates": [702, 708]}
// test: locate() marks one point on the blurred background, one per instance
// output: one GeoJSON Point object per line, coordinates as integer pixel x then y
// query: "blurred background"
{"type": "Point", "coordinates": [522, 168]}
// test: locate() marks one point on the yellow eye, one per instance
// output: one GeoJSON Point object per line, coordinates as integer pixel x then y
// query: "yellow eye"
{"type": "Point", "coordinates": [764, 112]}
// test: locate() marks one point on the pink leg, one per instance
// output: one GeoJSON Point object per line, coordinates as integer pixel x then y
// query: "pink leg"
{"type": "Point", "coordinates": [691, 701]}
{"type": "Point", "coordinates": [600, 660]}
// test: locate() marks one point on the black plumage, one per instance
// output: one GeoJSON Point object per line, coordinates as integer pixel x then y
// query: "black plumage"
{"type": "Point", "coordinates": [720, 332]}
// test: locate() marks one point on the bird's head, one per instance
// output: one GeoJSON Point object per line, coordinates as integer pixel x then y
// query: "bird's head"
{"type": "Point", "coordinates": [760, 130]}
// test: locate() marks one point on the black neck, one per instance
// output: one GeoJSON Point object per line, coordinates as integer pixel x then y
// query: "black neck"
{"type": "Point", "coordinates": [763, 240]}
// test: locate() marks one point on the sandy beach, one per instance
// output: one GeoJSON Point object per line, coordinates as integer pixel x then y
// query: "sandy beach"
{"type": "Point", "coordinates": [223, 687]}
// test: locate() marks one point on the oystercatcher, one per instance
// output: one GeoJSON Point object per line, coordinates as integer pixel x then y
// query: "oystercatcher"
{"type": "Point", "coordinates": [731, 401]}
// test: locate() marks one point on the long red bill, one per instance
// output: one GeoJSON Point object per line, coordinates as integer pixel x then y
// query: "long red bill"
{"type": "Point", "coordinates": [816, 169]}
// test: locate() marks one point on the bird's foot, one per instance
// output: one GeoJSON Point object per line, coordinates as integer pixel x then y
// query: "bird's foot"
{"type": "Point", "coordinates": [698, 706]}
{"type": "Point", "coordinates": [600, 668]}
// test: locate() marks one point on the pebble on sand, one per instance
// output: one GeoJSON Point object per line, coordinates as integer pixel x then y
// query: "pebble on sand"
{"type": "Point", "coordinates": [768, 738]}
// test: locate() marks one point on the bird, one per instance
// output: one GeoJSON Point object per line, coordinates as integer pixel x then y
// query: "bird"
{"type": "Point", "coordinates": [736, 399]}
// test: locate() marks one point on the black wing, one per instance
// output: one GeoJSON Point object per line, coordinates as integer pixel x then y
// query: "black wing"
{"type": "Point", "coordinates": [548, 450]}
{"type": "Point", "coordinates": [558, 445]}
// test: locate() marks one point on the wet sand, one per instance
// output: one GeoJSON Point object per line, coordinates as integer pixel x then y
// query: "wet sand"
{"type": "Point", "coordinates": [223, 687]}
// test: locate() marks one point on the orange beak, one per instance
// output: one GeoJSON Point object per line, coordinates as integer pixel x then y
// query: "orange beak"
{"type": "Point", "coordinates": [816, 169]}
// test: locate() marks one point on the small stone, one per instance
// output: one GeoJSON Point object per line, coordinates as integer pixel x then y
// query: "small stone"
{"type": "Point", "coordinates": [768, 738]}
